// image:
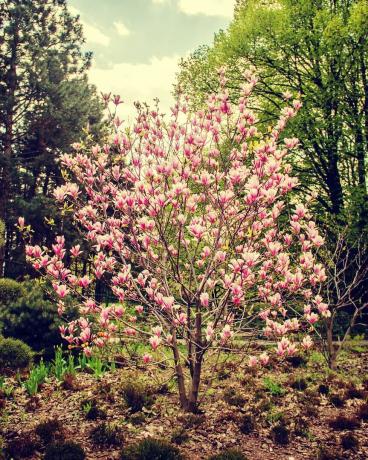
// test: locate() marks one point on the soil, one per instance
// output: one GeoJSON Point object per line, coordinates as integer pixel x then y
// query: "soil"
{"type": "Point", "coordinates": [266, 397]}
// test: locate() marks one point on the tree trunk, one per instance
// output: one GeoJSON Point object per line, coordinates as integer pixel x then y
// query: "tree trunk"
{"type": "Point", "coordinates": [179, 373]}
{"type": "Point", "coordinates": [11, 85]}
{"type": "Point", "coordinates": [197, 368]}
{"type": "Point", "coordinates": [331, 350]}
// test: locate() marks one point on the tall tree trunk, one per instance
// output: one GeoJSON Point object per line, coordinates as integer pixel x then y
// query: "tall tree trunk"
{"type": "Point", "coordinates": [11, 86]}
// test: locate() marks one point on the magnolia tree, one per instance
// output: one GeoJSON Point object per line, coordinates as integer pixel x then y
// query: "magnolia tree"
{"type": "Point", "coordinates": [191, 224]}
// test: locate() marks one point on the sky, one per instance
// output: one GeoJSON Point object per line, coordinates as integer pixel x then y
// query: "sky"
{"type": "Point", "coordinates": [137, 44]}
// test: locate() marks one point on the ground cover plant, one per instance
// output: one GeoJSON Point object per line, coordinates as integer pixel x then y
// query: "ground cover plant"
{"type": "Point", "coordinates": [263, 426]}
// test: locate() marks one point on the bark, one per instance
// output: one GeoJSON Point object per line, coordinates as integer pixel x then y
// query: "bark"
{"type": "Point", "coordinates": [197, 368]}
{"type": "Point", "coordinates": [11, 84]}
{"type": "Point", "coordinates": [179, 373]}
{"type": "Point", "coordinates": [331, 350]}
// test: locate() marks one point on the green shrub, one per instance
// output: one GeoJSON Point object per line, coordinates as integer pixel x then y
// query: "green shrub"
{"type": "Point", "coordinates": [234, 398]}
{"type": "Point", "coordinates": [10, 291]}
{"type": "Point", "coordinates": [151, 449]}
{"type": "Point", "coordinates": [299, 384]}
{"type": "Point", "coordinates": [247, 424]}
{"type": "Point", "coordinates": [64, 451]}
{"type": "Point", "coordinates": [91, 410]}
{"type": "Point", "coordinates": [106, 434]}
{"type": "Point", "coordinates": [344, 422]}
{"type": "Point", "coordinates": [179, 436]}
{"type": "Point", "coordinates": [280, 434]}
{"type": "Point", "coordinates": [363, 412]}
{"type": "Point", "coordinates": [21, 448]}
{"type": "Point", "coordinates": [136, 396]}
{"type": "Point", "coordinates": [14, 354]}
{"type": "Point", "coordinates": [33, 319]}
{"type": "Point", "coordinates": [230, 454]}
{"type": "Point", "coordinates": [49, 431]}
{"type": "Point", "coordinates": [349, 442]}
{"type": "Point", "coordinates": [273, 387]}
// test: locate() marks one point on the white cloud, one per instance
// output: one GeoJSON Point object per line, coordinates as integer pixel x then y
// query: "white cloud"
{"type": "Point", "coordinates": [207, 7]}
{"type": "Point", "coordinates": [138, 82]}
{"type": "Point", "coordinates": [92, 33]}
{"type": "Point", "coordinates": [121, 29]}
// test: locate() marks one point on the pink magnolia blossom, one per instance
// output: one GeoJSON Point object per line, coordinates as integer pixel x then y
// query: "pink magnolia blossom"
{"type": "Point", "coordinates": [204, 298]}
{"type": "Point", "coordinates": [155, 342]}
{"type": "Point", "coordinates": [61, 290]}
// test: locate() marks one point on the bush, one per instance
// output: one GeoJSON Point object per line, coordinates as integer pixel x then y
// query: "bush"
{"type": "Point", "coordinates": [10, 291]}
{"type": "Point", "coordinates": [49, 431]}
{"type": "Point", "coordinates": [234, 398]}
{"type": "Point", "coordinates": [355, 393]}
{"type": "Point", "coordinates": [64, 451]}
{"type": "Point", "coordinates": [136, 396]}
{"type": "Point", "coordinates": [106, 434]}
{"type": "Point", "coordinates": [349, 441]}
{"type": "Point", "coordinates": [280, 434]}
{"type": "Point", "coordinates": [337, 401]}
{"type": "Point", "coordinates": [14, 354]}
{"type": "Point", "coordinates": [192, 420]}
{"type": "Point", "coordinates": [92, 411]}
{"type": "Point", "coordinates": [179, 436]}
{"type": "Point", "coordinates": [363, 412]}
{"type": "Point", "coordinates": [296, 361]}
{"type": "Point", "coordinates": [329, 453]}
{"type": "Point", "coordinates": [299, 384]}
{"type": "Point", "coordinates": [230, 454]}
{"type": "Point", "coordinates": [323, 389]}
{"type": "Point", "coordinates": [33, 319]}
{"type": "Point", "coordinates": [246, 424]}
{"type": "Point", "coordinates": [343, 422]}
{"type": "Point", "coordinates": [20, 448]}
{"type": "Point", "coordinates": [151, 449]}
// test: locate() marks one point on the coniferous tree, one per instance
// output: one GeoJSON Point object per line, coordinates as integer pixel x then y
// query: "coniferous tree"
{"type": "Point", "coordinates": [45, 103]}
